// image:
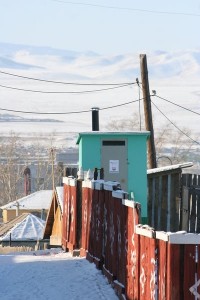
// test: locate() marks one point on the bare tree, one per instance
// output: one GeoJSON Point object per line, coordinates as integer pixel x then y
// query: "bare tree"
{"type": "Point", "coordinates": [16, 158]}
{"type": "Point", "coordinates": [129, 124]}
{"type": "Point", "coordinates": [172, 145]}
{"type": "Point", "coordinates": [11, 169]}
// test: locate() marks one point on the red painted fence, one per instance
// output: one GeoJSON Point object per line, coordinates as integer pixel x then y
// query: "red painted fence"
{"type": "Point", "coordinates": [138, 261]}
{"type": "Point", "coordinates": [69, 234]}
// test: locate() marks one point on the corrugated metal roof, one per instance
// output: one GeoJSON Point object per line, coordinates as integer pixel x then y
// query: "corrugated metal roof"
{"type": "Point", "coordinates": [7, 226]}
{"type": "Point", "coordinates": [24, 228]}
{"type": "Point", "coordinates": [37, 200]}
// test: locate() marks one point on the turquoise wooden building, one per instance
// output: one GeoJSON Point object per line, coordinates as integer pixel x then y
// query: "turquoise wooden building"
{"type": "Point", "coordinates": [122, 155]}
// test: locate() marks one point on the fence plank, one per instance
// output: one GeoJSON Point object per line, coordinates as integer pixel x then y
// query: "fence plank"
{"type": "Point", "coordinates": [133, 254]}
{"type": "Point", "coordinates": [173, 272]}
{"type": "Point", "coordinates": [185, 208]}
{"type": "Point", "coordinates": [164, 203]}
{"type": "Point", "coordinates": [147, 268]}
{"type": "Point", "coordinates": [192, 215]}
{"type": "Point", "coordinates": [198, 206]}
{"type": "Point", "coordinates": [189, 270]}
{"type": "Point", "coordinates": [65, 215]}
{"type": "Point", "coordinates": [72, 220]}
{"type": "Point", "coordinates": [109, 266]}
{"type": "Point", "coordinates": [86, 217]}
{"type": "Point", "coordinates": [96, 237]}
{"type": "Point", "coordinates": [175, 202]}
{"type": "Point", "coordinates": [162, 270]}
{"type": "Point", "coordinates": [198, 268]}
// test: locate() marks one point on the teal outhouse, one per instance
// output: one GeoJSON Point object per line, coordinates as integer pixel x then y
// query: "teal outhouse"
{"type": "Point", "coordinates": [123, 157]}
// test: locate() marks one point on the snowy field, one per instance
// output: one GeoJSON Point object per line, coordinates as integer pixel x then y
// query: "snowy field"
{"type": "Point", "coordinates": [50, 275]}
{"type": "Point", "coordinates": [174, 76]}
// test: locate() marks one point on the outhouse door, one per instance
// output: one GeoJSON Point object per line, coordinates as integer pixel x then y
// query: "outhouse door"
{"type": "Point", "coordinates": [114, 161]}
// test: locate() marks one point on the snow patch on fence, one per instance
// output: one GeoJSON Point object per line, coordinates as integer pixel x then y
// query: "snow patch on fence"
{"type": "Point", "coordinates": [179, 237]}
{"type": "Point", "coordinates": [70, 181]}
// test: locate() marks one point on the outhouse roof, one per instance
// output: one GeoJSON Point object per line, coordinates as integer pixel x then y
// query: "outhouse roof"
{"type": "Point", "coordinates": [111, 134]}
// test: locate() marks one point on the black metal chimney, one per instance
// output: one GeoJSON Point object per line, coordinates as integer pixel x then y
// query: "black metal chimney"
{"type": "Point", "coordinates": [95, 119]}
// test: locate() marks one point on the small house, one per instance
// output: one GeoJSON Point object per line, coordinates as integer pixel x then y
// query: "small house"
{"type": "Point", "coordinates": [37, 203]}
{"type": "Point", "coordinates": [123, 158]}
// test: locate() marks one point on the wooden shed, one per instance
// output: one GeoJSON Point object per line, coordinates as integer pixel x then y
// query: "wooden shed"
{"type": "Point", "coordinates": [53, 227]}
{"type": "Point", "coordinates": [122, 156]}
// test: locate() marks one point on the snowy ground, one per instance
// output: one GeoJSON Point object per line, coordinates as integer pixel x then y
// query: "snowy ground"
{"type": "Point", "coordinates": [50, 275]}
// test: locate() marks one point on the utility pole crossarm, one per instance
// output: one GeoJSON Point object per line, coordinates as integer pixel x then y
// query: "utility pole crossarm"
{"type": "Point", "coordinates": [148, 111]}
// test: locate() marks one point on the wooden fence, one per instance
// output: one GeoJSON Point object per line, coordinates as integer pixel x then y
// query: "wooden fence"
{"type": "Point", "coordinates": [173, 200]}
{"type": "Point", "coordinates": [169, 265]}
{"type": "Point", "coordinates": [190, 205]}
{"type": "Point", "coordinates": [164, 186]}
{"type": "Point", "coordinates": [138, 261]}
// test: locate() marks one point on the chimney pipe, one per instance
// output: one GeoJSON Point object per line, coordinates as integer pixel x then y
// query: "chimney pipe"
{"type": "Point", "coordinates": [95, 119]}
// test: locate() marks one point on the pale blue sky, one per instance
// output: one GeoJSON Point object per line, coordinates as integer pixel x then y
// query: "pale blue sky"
{"type": "Point", "coordinates": [61, 24]}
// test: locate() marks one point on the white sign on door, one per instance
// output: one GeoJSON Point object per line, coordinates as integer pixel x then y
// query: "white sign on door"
{"type": "Point", "coordinates": [114, 166]}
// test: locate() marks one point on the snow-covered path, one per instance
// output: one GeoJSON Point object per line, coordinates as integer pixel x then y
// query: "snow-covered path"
{"type": "Point", "coordinates": [53, 276]}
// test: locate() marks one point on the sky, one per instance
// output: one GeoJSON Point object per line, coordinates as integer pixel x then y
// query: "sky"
{"type": "Point", "coordinates": [51, 275]}
{"type": "Point", "coordinates": [98, 42]}
{"type": "Point", "coordinates": [105, 27]}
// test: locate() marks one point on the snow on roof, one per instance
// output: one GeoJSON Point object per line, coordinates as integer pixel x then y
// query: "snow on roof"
{"type": "Point", "coordinates": [37, 200]}
{"type": "Point", "coordinates": [59, 190]}
{"type": "Point", "coordinates": [31, 228]}
{"type": "Point", "coordinates": [170, 168]}
{"type": "Point", "coordinates": [111, 133]}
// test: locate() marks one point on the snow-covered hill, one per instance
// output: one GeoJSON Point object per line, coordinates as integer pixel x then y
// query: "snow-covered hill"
{"type": "Point", "coordinates": [174, 76]}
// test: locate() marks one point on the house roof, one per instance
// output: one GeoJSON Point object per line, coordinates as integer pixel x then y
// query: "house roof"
{"type": "Point", "coordinates": [37, 200]}
{"type": "Point", "coordinates": [54, 205]}
{"type": "Point", "coordinates": [59, 190]}
{"type": "Point", "coordinates": [5, 227]}
{"type": "Point", "coordinates": [23, 228]}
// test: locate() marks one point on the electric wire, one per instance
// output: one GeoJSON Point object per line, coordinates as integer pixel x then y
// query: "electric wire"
{"type": "Point", "coordinates": [66, 113]}
{"type": "Point", "coordinates": [175, 124]}
{"type": "Point", "coordinates": [118, 105]}
{"type": "Point", "coordinates": [194, 112]}
{"type": "Point", "coordinates": [128, 8]}
{"type": "Point", "coordinates": [65, 92]}
{"type": "Point", "coordinates": [62, 82]}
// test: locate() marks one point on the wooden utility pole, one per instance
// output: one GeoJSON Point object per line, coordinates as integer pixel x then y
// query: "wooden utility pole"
{"type": "Point", "coordinates": [53, 181]}
{"type": "Point", "coordinates": [147, 111]}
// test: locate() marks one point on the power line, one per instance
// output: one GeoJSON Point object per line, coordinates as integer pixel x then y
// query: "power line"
{"type": "Point", "coordinates": [118, 105]}
{"type": "Point", "coordinates": [129, 8]}
{"type": "Point", "coordinates": [65, 113]}
{"type": "Point", "coordinates": [194, 112]}
{"type": "Point", "coordinates": [62, 82]}
{"type": "Point", "coordinates": [64, 92]}
{"type": "Point", "coordinates": [175, 124]}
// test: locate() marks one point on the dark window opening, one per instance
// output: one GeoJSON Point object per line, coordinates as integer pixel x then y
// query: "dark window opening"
{"type": "Point", "coordinates": [113, 143]}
